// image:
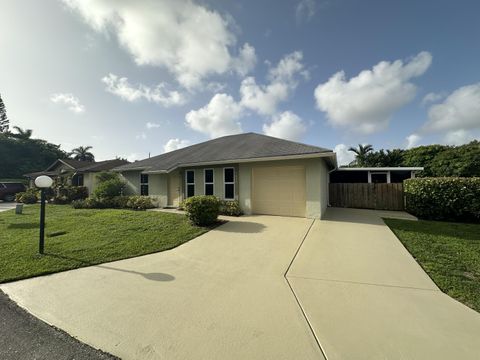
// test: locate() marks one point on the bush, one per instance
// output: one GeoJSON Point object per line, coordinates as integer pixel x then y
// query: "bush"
{"type": "Point", "coordinates": [139, 203]}
{"type": "Point", "coordinates": [106, 176]}
{"type": "Point", "coordinates": [109, 189]}
{"type": "Point", "coordinates": [444, 198]}
{"type": "Point", "coordinates": [230, 208]}
{"type": "Point", "coordinates": [30, 196]}
{"type": "Point", "coordinates": [67, 194]}
{"type": "Point", "coordinates": [202, 210]}
{"type": "Point", "coordinates": [117, 202]}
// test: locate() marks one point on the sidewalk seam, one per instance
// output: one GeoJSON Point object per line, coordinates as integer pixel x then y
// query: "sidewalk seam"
{"type": "Point", "coordinates": [296, 297]}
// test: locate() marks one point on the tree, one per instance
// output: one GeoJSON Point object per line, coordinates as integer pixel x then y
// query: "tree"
{"type": "Point", "coordinates": [82, 153]}
{"type": "Point", "coordinates": [4, 122]}
{"type": "Point", "coordinates": [23, 134]}
{"type": "Point", "coordinates": [361, 153]}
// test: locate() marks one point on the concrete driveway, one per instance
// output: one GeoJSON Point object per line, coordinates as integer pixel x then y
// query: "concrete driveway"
{"type": "Point", "coordinates": [367, 298]}
{"type": "Point", "coordinates": [4, 206]}
{"type": "Point", "coordinates": [222, 296]}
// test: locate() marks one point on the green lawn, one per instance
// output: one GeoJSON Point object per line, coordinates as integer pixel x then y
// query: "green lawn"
{"type": "Point", "coordinates": [448, 252]}
{"type": "Point", "coordinates": [77, 238]}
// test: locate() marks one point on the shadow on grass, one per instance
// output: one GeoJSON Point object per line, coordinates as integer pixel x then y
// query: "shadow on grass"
{"type": "Point", "coordinates": [148, 276]}
{"type": "Point", "coordinates": [24, 226]}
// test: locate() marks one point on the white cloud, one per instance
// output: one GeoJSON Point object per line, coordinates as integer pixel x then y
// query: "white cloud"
{"type": "Point", "coordinates": [218, 118]}
{"type": "Point", "coordinates": [174, 144]}
{"type": "Point", "coordinates": [141, 136]}
{"type": "Point", "coordinates": [286, 125]}
{"type": "Point", "coordinates": [305, 10]}
{"type": "Point", "coordinates": [188, 39]}
{"type": "Point", "coordinates": [432, 97]}
{"type": "Point", "coordinates": [159, 94]}
{"type": "Point", "coordinates": [283, 79]}
{"type": "Point", "coordinates": [134, 157]}
{"type": "Point", "coordinates": [413, 140]}
{"type": "Point", "coordinates": [246, 60]}
{"type": "Point", "coordinates": [71, 101]}
{"type": "Point", "coordinates": [150, 125]}
{"type": "Point", "coordinates": [344, 157]}
{"type": "Point", "coordinates": [459, 137]}
{"type": "Point", "coordinates": [459, 111]}
{"type": "Point", "coordinates": [366, 102]}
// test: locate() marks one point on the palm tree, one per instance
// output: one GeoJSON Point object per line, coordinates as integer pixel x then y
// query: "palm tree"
{"type": "Point", "coordinates": [22, 134]}
{"type": "Point", "coordinates": [82, 153]}
{"type": "Point", "coordinates": [360, 153]}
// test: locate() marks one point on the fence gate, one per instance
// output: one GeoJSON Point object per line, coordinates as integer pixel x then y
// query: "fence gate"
{"type": "Point", "coordinates": [367, 196]}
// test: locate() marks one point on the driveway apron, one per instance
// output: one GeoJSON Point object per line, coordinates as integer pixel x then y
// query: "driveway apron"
{"type": "Point", "coordinates": [365, 296]}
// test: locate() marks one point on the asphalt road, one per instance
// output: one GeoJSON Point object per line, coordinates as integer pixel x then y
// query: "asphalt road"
{"type": "Point", "coordinates": [23, 336]}
{"type": "Point", "coordinates": [7, 205]}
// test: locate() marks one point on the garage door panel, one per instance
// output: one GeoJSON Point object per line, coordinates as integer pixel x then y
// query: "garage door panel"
{"type": "Point", "coordinates": [279, 190]}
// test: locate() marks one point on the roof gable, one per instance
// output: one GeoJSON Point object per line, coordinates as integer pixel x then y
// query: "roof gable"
{"type": "Point", "coordinates": [249, 146]}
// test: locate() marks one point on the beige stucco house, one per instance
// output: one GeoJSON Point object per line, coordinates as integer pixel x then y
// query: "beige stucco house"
{"type": "Point", "coordinates": [77, 173]}
{"type": "Point", "coordinates": [265, 174]}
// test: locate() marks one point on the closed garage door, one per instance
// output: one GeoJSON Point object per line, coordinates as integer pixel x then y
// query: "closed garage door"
{"type": "Point", "coordinates": [279, 190]}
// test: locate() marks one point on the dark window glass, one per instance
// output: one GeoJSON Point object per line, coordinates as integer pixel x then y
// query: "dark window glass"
{"type": "Point", "coordinates": [379, 178]}
{"type": "Point", "coordinates": [143, 178]}
{"type": "Point", "coordinates": [209, 176]}
{"type": "Point", "coordinates": [77, 180]}
{"type": "Point", "coordinates": [190, 190]}
{"type": "Point", "coordinates": [190, 177]}
{"type": "Point", "coordinates": [229, 191]}
{"type": "Point", "coordinates": [144, 190]}
{"type": "Point", "coordinates": [229, 175]}
{"type": "Point", "coordinates": [208, 189]}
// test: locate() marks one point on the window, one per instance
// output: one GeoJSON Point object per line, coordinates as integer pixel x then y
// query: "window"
{"type": "Point", "coordinates": [144, 184]}
{"type": "Point", "coordinates": [208, 175]}
{"type": "Point", "coordinates": [229, 181]}
{"type": "Point", "coordinates": [190, 182]}
{"type": "Point", "coordinates": [379, 177]}
{"type": "Point", "coordinates": [77, 180]}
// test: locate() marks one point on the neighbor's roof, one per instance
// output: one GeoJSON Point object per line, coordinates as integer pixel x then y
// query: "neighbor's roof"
{"type": "Point", "coordinates": [79, 167]}
{"type": "Point", "coordinates": [399, 168]}
{"type": "Point", "coordinates": [242, 147]}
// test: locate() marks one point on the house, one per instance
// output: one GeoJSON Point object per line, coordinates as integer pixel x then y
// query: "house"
{"type": "Point", "coordinates": [373, 174]}
{"type": "Point", "coordinates": [265, 174]}
{"type": "Point", "coordinates": [77, 173]}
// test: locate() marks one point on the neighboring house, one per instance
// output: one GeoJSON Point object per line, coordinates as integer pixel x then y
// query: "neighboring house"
{"type": "Point", "coordinates": [265, 174]}
{"type": "Point", "coordinates": [77, 173]}
{"type": "Point", "coordinates": [373, 174]}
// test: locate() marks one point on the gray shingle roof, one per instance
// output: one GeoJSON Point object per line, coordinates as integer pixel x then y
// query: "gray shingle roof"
{"type": "Point", "coordinates": [227, 148]}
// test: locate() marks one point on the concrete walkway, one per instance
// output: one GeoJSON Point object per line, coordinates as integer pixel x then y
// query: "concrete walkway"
{"type": "Point", "coordinates": [4, 206]}
{"type": "Point", "coordinates": [221, 296]}
{"type": "Point", "coordinates": [367, 298]}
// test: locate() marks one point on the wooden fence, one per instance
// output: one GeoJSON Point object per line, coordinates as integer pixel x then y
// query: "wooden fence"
{"type": "Point", "coordinates": [367, 196]}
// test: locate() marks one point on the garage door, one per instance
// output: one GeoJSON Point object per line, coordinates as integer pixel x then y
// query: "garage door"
{"type": "Point", "coordinates": [279, 190]}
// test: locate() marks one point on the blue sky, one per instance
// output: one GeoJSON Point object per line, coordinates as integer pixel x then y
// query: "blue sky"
{"type": "Point", "coordinates": [136, 77]}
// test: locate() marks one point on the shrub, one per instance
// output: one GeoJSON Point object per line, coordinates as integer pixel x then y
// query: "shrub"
{"type": "Point", "coordinates": [107, 175]}
{"type": "Point", "coordinates": [139, 203]}
{"type": "Point", "coordinates": [109, 189]}
{"type": "Point", "coordinates": [30, 196]}
{"type": "Point", "coordinates": [67, 194]}
{"type": "Point", "coordinates": [202, 210]}
{"type": "Point", "coordinates": [230, 208]}
{"type": "Point", "coordinates": [444, 198]}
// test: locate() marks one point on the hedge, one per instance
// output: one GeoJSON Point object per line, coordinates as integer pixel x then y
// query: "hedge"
{"type": "Point", "coordinates": [447, 198]}
{"type": "Point", "coordinates": [135, 202]}
{"type": "Point", "coordinates": [202, 210]}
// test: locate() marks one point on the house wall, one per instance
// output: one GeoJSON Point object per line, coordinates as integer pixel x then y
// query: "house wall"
{"type": "Point", "coordinates": [218, 185]}
{"type": "Point", "coordinates": [132, 179]}
{"type": "Point", "coordinates": [316, 184]}
{"type": "Point", "coordinates": [90, 181]}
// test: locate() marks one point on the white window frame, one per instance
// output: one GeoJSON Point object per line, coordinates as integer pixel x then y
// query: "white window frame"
{"type": "Point", "coordinates": [187, 183]}
{"type": "Point", "coordinates": [145, 184]}
{"type": "Point", "coordinates": [378, 172]}
{"type": "Point", "coordinates": [227, 183]}
{"type": "Point", "coordinates": [205, 183]}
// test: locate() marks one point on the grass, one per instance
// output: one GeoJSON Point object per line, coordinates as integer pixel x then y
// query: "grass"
{"type": "Point", "coordinates": [78, 238]}
{"type": "Point", "coordinates": [448, 252]}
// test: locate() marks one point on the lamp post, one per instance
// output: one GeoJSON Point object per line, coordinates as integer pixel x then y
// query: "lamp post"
{"type": "Point", "coordinates": [43, 182]}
